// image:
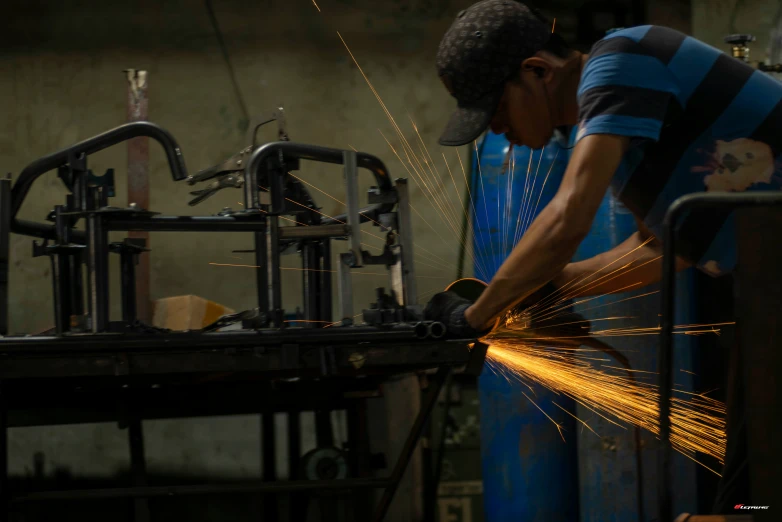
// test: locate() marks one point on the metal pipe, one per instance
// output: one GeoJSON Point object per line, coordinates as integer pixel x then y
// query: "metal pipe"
{"type": "Point", "coordinates": [436, 330]}
{"type": "Point", "coordinates": [202, 489]}
{"type": "Point", "coordinates": [130, 305]}
{"type": "Point", "coordinates": [346, 287]}
{"type": "Point", "coordinates": [292, 150]}
{"type": "Point", "coordinates": [119, 134]}
{"type": "Point", "coordinates": [97, 264]}
{"type": "Point", "coordinates": [665, 362]}
{"type": "Point", "coordinates": [273, 265]}
{"type": "Point", "coordinates": [110, 343]}
{"type": "Point", "coordinates": [421, 330]}
{"type": "Point", "coordinates": [314, 231]}
{"type": "Point", "coordinates": [310, 262]}
{"type": "Point", "coordinates": [351, 197]}
{"type": "Point", "coordinates": [187, 224]}
{"type": "Point", "coordinates": [326, 304]}
{"type": "Point", "coordinates": [138, 187]}
{"type": "Point", "coordinates": [410, 296]}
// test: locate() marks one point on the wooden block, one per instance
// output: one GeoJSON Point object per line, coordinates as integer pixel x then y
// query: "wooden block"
{"type": "Point", "coordinates": [187, 312]}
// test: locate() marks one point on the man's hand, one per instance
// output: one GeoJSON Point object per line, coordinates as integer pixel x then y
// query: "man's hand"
{"type": "Point", "coordinates": [448, 308]}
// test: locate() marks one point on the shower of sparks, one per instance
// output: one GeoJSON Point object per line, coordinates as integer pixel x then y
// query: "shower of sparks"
{"type": "Point", "coordinates": [698, 422]}
{"type": "Point", "coordinates": [553, 25]}
{"type": "Point", "coordinates": [316, 5]}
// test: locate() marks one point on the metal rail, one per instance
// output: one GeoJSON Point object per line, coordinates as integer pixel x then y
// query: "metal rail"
{"type": "Point", "coordinates": [680, 206]}
{"type": "Point", "coordinates": [97, 143]}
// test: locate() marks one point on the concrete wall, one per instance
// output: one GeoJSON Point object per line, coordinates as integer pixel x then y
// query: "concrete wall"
{"type": "Point", "coordinates": [61, 81]}
{"type": "Point", "coordinates": [714, 19]}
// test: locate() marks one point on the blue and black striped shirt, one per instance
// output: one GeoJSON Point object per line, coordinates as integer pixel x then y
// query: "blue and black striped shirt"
{"type": "Point", "coordinates": [699, 119]}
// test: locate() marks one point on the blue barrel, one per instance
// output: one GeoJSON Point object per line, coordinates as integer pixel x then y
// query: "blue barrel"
{"type": "Point", "coordinates": [529, 473]}
{"type": "Point", "coordinates": [612, 487]}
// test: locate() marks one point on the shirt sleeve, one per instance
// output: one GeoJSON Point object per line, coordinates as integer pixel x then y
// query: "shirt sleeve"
{"type": "Point", "coordinates": [624, 91]}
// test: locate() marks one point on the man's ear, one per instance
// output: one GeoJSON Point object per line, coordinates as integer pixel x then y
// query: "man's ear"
{"type": "Point", "coordinates": [539, 66]}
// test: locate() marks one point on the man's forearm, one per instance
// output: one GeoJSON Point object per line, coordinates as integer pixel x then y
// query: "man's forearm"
{"type": "Point", "coordinates": [604, 273]}
{"type": "Point", "coordinates": [528, 268]}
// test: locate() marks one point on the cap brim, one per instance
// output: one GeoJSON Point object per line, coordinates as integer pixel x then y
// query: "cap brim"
{"type": "Point", "coordinates": [469, 121]}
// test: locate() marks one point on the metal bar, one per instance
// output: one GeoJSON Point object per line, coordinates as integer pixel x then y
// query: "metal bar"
{"type": "Point", "coordinates": [405, 239]}
{"type": "Point", "coordinates": [261, 273]}
{"type": "Point", "coordinates": [345, 288]}
{"type": "Point", "coordinates": [326, 313]}
{"type": "Point", "coordinates": [138, 185]}
{"type": "Point", "coordinates": [98, 264]}
{"type": "Point", "coordinates": [130, 310]}
{"type": "Point", "coordinates": [186, 224]}
{"type": "Point", "coordinates": [168, 491]}
{"type": "Point", "coordinates": [77, 284]}
{"type": "Point", "coordinates": [291, 150]}
{"type": "Point", "coordinates": [315, 232]}
{"type": "Point", "coordinates": [110, 343]}
{"type": "Point", "coordinates": [5, 243]}
{"type": "Point", "coordinates": [119, 134]}
{"type": "Point", "coordinates": [351, 197]}
{"type": "Point", "coordinates": [665, 362]}
{"type": "Point", "coordinates": [273, 265]}
{"type": "Point", "coordinates": [61, 264]}
{"type": "Point", "coordinates": [309, 277]}
{"type": "Point", "coordinates": [412, 440]}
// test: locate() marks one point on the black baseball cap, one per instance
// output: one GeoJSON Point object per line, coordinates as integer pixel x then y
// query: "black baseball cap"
{"type": "Point", "coordinates": [483, 49]}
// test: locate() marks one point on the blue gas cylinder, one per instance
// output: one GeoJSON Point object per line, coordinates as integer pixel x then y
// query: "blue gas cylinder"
{"type": "Point", "coordinates": [529, 472]}
{"type": "Point", "coordinates": [616, 485]}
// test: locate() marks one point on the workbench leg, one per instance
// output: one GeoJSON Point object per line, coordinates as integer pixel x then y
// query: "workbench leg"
{"type": "Point", "coordinates": [435, 386]}
{"type": "Point", "coordinates": [138, 468]}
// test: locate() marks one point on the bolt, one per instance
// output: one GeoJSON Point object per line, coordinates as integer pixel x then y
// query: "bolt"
{"type": "Point", "coordinates": [238, 163]}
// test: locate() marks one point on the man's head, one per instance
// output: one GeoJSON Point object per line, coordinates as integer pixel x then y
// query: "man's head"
{"type": "Point", "coordinates": [503, 64]}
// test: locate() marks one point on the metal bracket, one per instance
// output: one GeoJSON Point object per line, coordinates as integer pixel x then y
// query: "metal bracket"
{"type": "Point", "coordinates": [350, 163]}
{"type": "Point", "coordinates": [346, 288]}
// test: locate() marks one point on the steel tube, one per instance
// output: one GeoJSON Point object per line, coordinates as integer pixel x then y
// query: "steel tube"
{"type": "Point", "coordinates": [436, 330]}
{"type": "Point", "coordinates": [292, 150]}
{"type": "Point", "coordinates": [97, 143]}
{"type": "Point", "coordinates": [421, 330]}
{"type": "Point", "coordinates": [405, 238]}
{"type": "Point", "coordinates": [665, 357]}
{"type": "Point", "coordinates": [314, 231]}
{"type": "Point", "coordinates": [351, 196]}
{"type": "Point", "coordinates": [168, 491]}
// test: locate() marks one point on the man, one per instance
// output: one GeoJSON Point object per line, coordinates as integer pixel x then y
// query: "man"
{"type": "Point", "coordinates": [658, 115]}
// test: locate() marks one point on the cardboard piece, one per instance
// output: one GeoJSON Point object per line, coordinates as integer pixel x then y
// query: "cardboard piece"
{"type": "Point", "coordinates": [187, 312]}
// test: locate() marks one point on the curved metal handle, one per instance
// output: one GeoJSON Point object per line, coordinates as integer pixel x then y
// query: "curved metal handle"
{"type": "Point", "coordinates": [102, 141]}
{"type": "Point", "coordinates": [288, 149]}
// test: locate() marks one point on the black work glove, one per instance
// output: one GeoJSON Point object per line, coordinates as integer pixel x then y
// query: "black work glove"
{"type": "Point", "coordinates": [448, 308]}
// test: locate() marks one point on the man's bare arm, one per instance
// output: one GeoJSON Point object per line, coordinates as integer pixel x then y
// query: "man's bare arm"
{"type": "Point", "coordinates": [555, 234]}
{"type": "Point", "coordinates": [604, 273]}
